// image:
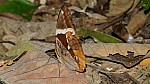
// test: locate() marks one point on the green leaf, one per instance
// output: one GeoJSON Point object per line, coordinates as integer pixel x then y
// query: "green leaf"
{"type": "Point", "coordinates": [98, 36]}
{"type": "Point", "coordinates": [23, 8]}
{"type": "Point", "coordinates": [145, 4]}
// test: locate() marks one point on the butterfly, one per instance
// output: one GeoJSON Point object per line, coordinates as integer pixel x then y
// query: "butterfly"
{"type": "Point", "coordinates": [68, 49]}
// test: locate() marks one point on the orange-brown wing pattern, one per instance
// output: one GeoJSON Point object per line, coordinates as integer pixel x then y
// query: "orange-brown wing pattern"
{"type": "Point", "coordinates": [68, 48]}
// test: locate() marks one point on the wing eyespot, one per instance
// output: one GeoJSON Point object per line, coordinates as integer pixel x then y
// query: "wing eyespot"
{"type": "Point", "coordinates": [76, 58]}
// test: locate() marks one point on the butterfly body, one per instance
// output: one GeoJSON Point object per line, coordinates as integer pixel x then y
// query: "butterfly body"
{"type": "Point", "coordinates": [68, 48]}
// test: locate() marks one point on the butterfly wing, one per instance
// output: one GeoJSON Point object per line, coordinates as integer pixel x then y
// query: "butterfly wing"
{"type": "Point", "coordinates": [68, 48]}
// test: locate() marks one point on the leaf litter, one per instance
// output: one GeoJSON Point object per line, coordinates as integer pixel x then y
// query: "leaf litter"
{"type": "Point", "coordinates": [37, 67]}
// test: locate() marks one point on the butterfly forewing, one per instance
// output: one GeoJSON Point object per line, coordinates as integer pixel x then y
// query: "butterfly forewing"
{"type": "Point", "coordinates": [68, 48]}
{"type": "Point", "coordinates": [64, 19]}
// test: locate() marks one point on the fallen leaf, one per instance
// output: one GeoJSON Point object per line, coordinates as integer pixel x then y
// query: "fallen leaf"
{"type": "Point", "coordinates": [91, 15]}
{"type": "Point", "coordinates": [5, 63]}
{"type": "Point", "coordinates": [12, 16]}
{"type": "Point", "coordinates": [119, 6]}
{"type": "Point", "coordinates": [137, 22]}
{"type": "Point", "coordinates": [104, 49]}
{"type": "Point", "coordinates": [97, 36]}
{"type": "Point", "coordinates": [96, 16]}
{"type": "Point", "coordinates": [23, 44]}
{"type": "Point", "coordinates": [128, 61]}
{"type": "Point", "coordinates": [142, 74]}
{"type": "Point", "coordinates": [122, 32]}
{"type": "Point", "coordinates": [37, 67]}
{"type": "Point", "coordinates": [121, 78]}
{"type": "Point", "coordinates": [11, 38]}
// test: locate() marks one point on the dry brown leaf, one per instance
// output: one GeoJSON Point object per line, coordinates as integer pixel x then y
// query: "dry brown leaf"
{"type": "Point", "coordinates": [90, 3]}
{"type": "Point", "coordinates": [23, 44]}
{"type": "Point", "coordinates": [43, 72]}
{"type": "Point", "coordinates": [37, 67]}
{"type": "Point", "coordinates": [136, 2]}
{"type": "Point", "coordinates": [122, 32]}
{"type": "Point", "coordinates": [145, 63]}
{"type": "Point", "coordinates": [9, 62]}
{"type": "Point", "coordinates": [105, 49]}
{"type": "Point", "coordinates": [42, 2]}
{"type": "Point", "coordinates": [92, 77]}
{"type": "Point", "coordinates": [12, 16]}
{"type": "Point", "coordinates": [73, 2]}
{"type": "Point", "coordinates": [13, 29]}
{"type": "Point", "coordinates": [137, 22]}
{"type": "Point", "coordinates": [5, 63]}
{"type": "Point", "coordinates": [2, 62]}
{"type": "Point", "coordinates": [96, 16]}
{"type": "Point", "coordinates": [3, 50]}
{"type": "Point", "coordinates": [82, 3]}
{"type": "Point", "coordinates": [91, 15]}
{"type": "Point", "coordinates": [119, 6]}
{"type": "Point", "coordinates": [43, 29]}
